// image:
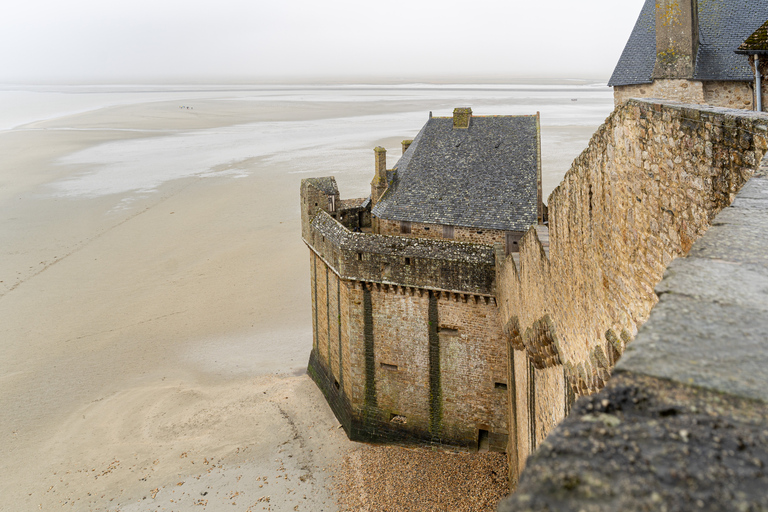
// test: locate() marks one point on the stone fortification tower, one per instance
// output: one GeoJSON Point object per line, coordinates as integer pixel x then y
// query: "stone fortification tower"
{"type": "Point", "coordinates": [407, 343]}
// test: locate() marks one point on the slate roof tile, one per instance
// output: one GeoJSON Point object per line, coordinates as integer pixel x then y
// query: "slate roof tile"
{"type": "Point", "coordinates": [757, 42]}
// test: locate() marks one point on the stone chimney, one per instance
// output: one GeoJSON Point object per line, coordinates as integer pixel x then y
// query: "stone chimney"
{"type": "Point", "coordinates": [461, 118]}
{"type": "Point", "coordinates": [677, 38]}
{"type": "Point", "coordinates": [406, 145]}
{"type": "Point", "coordinates": [379, 182]}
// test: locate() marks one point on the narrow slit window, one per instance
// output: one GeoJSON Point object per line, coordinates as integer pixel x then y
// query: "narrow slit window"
{"type": "Point", "coordinates": [500, 385]}
{"type": "Point", "coordinates": [448, 331]}
{"type": "Point", "coordinates": [407, 261]}
{"type": "Point", "coordinates": [386, 366]}
{"type": "Point", "coordinates": [483, 443]}
{"type": "Point", "coordinates": [336, 384]}
{"type": "Point", "coordinates": [359, 256]}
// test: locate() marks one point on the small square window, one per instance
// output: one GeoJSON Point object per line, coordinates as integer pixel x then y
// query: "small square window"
{"type": "Point", "coordinates": [398, 418]}
{"type": "Point", "coordinates": [407, 261]}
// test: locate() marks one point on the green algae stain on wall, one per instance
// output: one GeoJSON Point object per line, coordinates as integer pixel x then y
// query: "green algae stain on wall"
{"type": "Point", "coordinates": [435, 390]}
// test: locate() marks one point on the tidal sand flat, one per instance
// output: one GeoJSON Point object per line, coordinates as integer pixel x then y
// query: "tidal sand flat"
{"type": "Point", "coordinates": [154, 294]}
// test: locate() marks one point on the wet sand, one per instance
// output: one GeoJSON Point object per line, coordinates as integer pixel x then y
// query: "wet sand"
{"type": "Point", "coordinates": [154, 342]}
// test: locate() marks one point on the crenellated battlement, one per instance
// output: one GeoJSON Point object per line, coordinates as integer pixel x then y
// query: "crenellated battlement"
{"type": "Point", "coordinates": [439, 265]}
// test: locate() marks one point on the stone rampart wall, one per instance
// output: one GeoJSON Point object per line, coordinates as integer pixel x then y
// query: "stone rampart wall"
{"type": "Point", "coordinates": [681, 424]}
{"type": "Point", "coordinates": [649, 184]}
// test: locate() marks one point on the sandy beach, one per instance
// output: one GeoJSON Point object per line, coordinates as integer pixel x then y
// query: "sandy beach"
{"type": "Point", "coordinates": [154, 302]}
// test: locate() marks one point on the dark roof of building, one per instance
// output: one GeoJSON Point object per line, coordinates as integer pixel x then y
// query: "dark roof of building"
{"type": "Point", "coordinates": [350, 204]}
{"type": "Point", "coordinates": [326, 184]}
{"type": "Point", "coordinates": [723, 26]}
{"type": "Point", "coordinates": [757, 42]}
{"type": "Point", "coordinates": [484, 176]}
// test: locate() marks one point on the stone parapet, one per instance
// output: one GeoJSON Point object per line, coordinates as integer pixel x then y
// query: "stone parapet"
{"type": "Point", "coordinates": [681, 425]}
{"type": "Point", "coordinates": [457, 267]}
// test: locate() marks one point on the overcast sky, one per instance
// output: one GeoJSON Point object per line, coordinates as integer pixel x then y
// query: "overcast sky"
{"type": "Point", "coordinates": [121, 41]}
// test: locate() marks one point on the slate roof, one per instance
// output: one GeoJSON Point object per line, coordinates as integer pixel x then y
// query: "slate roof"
{"type": "Point", "coordinates": [757, 43]}
{"type": "Point", "coordinates": [723, 26]}
{"type": "Point", "coordinates": [481, 177]}
{"type": "Point", "coordinates": [349, 204]}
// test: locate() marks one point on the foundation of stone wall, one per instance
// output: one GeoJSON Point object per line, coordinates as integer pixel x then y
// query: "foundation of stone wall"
{"type": "Point", "coordinates": [650, 182]}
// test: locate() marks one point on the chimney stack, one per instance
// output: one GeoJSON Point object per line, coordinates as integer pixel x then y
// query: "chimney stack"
{"type": "Point", "coordinates": [461, 118]}
{"type": "Point", "coordinates": [406, 145]}
{"type": "Point", "coordinates": [381, 162]}
{"type": "Point", "coordinates": [677, 38]}
{"type": "Point", "coordinates": [379, 183]}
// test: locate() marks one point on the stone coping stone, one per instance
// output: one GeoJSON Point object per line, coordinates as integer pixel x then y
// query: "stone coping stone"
{"type": "Point", "coordinates": [710, 327]}
{"type": "Point", "coordinates": [645, 444]}
{"type": "Point", "coordinates": [734, 115]}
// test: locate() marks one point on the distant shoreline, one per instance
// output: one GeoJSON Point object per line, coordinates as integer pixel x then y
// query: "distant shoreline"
{"type": "Point", "coordinates": [321, 81]}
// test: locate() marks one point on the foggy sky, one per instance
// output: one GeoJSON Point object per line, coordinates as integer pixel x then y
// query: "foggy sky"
{"type": "Point", "coordinates": [119, 41]}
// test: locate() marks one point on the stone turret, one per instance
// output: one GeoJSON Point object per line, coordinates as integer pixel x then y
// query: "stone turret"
{"type": "Point", "coordinates": [677, 38]}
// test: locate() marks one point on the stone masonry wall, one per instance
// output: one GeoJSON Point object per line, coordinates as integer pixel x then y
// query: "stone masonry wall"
{"type": "Point", "coordinates": [435, 231]}
{"type": "Point", "coordinates": [409, 365]}
{"type": "Point", "coordinates": [738, 95]}
{"type": "Point", "coordinates": [648, 185]}
{"type": "Point", "coordinates": [729, 94]}
{"type": "Point", "coordinates": [687, 91]}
